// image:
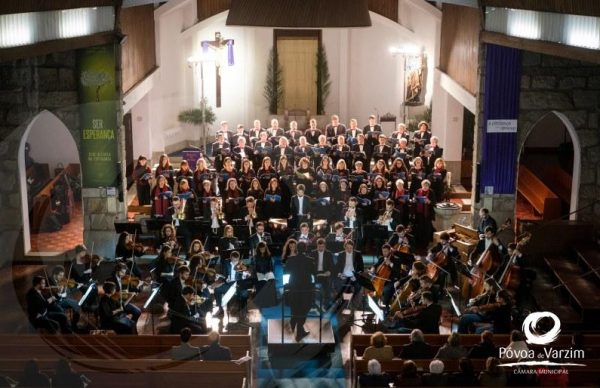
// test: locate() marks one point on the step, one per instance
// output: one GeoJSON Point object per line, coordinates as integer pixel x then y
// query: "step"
{"type": "Point", "coordinates": [459, 191]}
{"type": "Point", "coordinates": [549, 299]}
{"type": "Point", "coordinates": [583, 291]}
{"type": "Point", "coordinates": [589, 258]}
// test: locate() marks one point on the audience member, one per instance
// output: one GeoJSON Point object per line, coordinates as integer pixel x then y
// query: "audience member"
{"type": "Point", "coordinates": [486, 348]}
{"type": "Point", "coordinates": [417, 348]}
{"type": "Point", "coordinates": [185, 351]}
{"type": "Point", "coordinates": [375, 377]}
{"type": "Point", "coordinates": [409, 376]}
{"type": "Point", "coordinates": [493, 375]}
{"type": "Point", "coordinates": [452, 350]}
{"type": "Point", "coordinates": [436, 376]}
{"type": "Point", "coordinates": [379, 350]}
{"type": "Point", "coordinates": [214, 351]}
{"type": "Point", "coordinates": [66, 377]}
{"type": "Point", "coordinates": [32, 377]}
{"type": "Point", "coordinates": [465, 377]}
{"type": "Point", "coordinates": [516, 346]}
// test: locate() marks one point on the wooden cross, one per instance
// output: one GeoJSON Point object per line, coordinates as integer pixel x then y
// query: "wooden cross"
{"type": "Point", "coordinates": [218, 44]}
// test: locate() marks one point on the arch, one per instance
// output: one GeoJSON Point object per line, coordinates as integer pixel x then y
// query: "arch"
{"type": "Point", "coordinates": [47, 119]}
{"type": "Point", "coordinates": [574, 202]}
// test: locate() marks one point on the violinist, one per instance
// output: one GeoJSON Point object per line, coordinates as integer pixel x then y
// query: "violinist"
{"type": "Point", "coordinates": [60, 287]}
{"type": "Point", "coordinates": [487, 296]}
{"type": "Point", "coordinates": [408, 284]}
{"type": "Point", "coordinates": [323, 262]}
{"type": "Point", "coordinates": [426, 318]}
{"type": "Point", "coordinates": [177, 284]}
{"type": "Point", "coordinates": [266, 293]}
{"type": "Point", "coordinates": [125, 283]}
{"type": "Point", "coordinates": [127, 249]}
{"type": "Point", "coordinates": [232, 271]}
{"type": "Point", "coordinates": [168, 237]}
{"type": "Point", "coordinates": [164, 265]}
{"type": "Point", "coordinates": [388, 271]}
{"type": "Point", "coordinates": [81, 266]}
{"type": "Point", "coordinates": [495, 316]}
{"type": "Point", "coordinates": [184, 311]}
{"type": "Point", "coordinates": [142, 175]}
{"type": "Point", "coordinates": [444, 255]}
{"type": "Point", "coordinates": [43, 311]}
{"type": "Point", "coordinates": [196, 248]}
{"type": "Point", "coordinates": [112, 314]}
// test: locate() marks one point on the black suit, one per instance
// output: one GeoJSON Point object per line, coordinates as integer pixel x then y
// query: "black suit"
{"type": "Point", "coordinates": [452, 257]}
{"type": "Point", "coordinates": [372, 136]}
{"type": "Point", "coordinates": [300, 268]}
{"type": "Point", "coordinates": [333, 132]}
{"type": "Point", "coordinates": [428, 320]}
{"type": "Point", "coordinates": [254, 240]}
{"type": "Point", "coordinates": [388, 288]}
{"type": "Point", "coordinates": [184, 315]}
{"type": "Point", "coordinates": [312, 138]}
{"type": "Point", "coordinates": [489, 221]}
{"type": "Point", "coordinates": [215, 352]}
{"type": "Point", "coordinates": [45, 315]}
{"type": "Point", "coordinates": [216, 149]}
{"type": "Point", "coordinates": [295, 210]}
{"type": "Point", "coordinates": [381, 152]}
{"type": "Point", "coordinates": [288, 152]}
{"type": "Point", "coordinates": [417, 350]}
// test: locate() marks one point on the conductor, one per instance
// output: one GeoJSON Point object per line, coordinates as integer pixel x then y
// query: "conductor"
{"type": "Point", "coordinates": [300, 268]}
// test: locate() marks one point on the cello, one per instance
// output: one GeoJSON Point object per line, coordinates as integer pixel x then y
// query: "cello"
{"type": "Point", "coordinates": [381, 275]}
{"type": "Point", "coordinates": [511, 276]}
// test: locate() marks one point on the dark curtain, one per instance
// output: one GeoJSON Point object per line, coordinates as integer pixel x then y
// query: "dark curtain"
{"type": "Point", "coordinates": [501, 102]}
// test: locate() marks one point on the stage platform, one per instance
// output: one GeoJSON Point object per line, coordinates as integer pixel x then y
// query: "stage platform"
{"type": "Point", "coordinates": [309, 347]}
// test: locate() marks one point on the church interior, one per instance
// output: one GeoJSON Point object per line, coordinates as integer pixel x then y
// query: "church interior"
{"type": "Point", "coordinates": [284, 193]}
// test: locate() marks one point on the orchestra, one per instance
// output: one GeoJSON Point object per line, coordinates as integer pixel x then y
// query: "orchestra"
{"type": "Point", "coordinates": [311, 200]}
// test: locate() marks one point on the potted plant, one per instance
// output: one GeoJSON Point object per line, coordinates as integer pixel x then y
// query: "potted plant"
{"type": "Point", "coordinates": [323, 80]}
{"type": "Point", "coordinates": [273, 91]}
{"type": "Point", "coordinates": [199, 116]}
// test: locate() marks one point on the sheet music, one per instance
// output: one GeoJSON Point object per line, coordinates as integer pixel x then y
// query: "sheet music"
{"type": "Point", "coordinates": [265, 276]}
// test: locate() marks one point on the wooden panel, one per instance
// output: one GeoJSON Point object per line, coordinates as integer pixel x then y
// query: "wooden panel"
{"type": "Point", "coordinates": [387, 8]}
{"type": "Point", "coordinates": [577, 7]}
{"type": "Point", "coordinates": [208, 8]}
{"type": "Point", "coordinates": [139, 51]}
{"type": "Point", "coordinates": [459, 49]}
{"type": "Point", "coordinates": [19, 6]}
{"type": "Point", "coordinates": [56, 46]}
{"type": "Point", "coordinates": [539, 46]}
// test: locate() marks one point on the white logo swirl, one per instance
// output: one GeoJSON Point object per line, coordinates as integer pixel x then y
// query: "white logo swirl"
{"type": "Point", "coordinates": [529, 328]}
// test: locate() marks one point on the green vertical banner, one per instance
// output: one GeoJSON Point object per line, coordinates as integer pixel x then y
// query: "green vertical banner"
{"type": "Point", "coordinates": [98, 115]}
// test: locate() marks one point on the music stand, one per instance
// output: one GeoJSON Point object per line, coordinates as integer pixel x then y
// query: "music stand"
{"type": "Point", "coordinates": [129, 227]}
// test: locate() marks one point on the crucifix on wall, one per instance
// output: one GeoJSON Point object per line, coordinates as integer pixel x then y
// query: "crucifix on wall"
{"type": "Point", "coordinates": [218, 45]}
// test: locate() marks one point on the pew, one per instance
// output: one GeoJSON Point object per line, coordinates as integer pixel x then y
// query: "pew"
{"type": "Point", "coordinates": [145, 373]}
{"type": "Point", "coordinates": [109, 346]}
{"type": "Point", "coordinates": [544, 201]}
{"type": "Point", "coordinates": [578, 376]}
{"type": "Point", "coordinates": [41, 205]}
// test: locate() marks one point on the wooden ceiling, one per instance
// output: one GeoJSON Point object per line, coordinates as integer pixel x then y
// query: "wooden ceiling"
{"type": "Point", "coordinates": [22, 6]}
{"type": "Point", "coordinates": [575, 7]}
{"type": "Point", "coordinates": [294, 13]}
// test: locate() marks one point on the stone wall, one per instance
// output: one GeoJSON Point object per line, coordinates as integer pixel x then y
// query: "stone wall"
{"type": "Point", "coordinates": [572, 88]}
{"type": "Point", "coordinates": [27, 87]}
{"type": "Point", "coordinates": [567, 86]}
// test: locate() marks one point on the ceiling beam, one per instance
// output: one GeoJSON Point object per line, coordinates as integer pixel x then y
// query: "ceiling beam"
{"type": "Point", "coordinates": [573, 7]}
{"type": "Point", "coordinates": [23, 6]}
{"type": "Point", "coordinates": [543, 47]}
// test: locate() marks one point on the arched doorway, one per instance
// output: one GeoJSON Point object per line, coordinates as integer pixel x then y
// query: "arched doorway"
{"type": "Point", "coordinates": [549, 170]}
{"type": "Point", "coordinates": [50, 186]}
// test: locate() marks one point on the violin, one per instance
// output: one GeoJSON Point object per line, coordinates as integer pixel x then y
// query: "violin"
{"type": "Point", "coordinates": [123, 296]}
{"type": "Point", "coordinates": [241, 267]}
{"type": "Point", "coordinates": [175, 260]}
{"type": "Point", "coordinates": [68, 283]}
{"type": "Point", "coordinates": [198, 300]}
{"type": "Point", "coordinates": [206, 270]}
{"type": "Point", "coordinates": [91, 259]}
{"type": "Point", "coordinates": [131, 281]}
{"type": "Point", "coordinates": [135, 247]}
{"type": "Point", "coordinates": [412, 311]}
{"type": "Point", "coordinates": [485, 307]}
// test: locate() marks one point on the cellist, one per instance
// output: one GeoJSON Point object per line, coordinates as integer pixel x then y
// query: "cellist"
{"type": "Point", "coordinates": [444, 255]}
{"type": "Point", "coordinates": [387, 272]}
{"type": "Point", "coordinates": [489, 242]}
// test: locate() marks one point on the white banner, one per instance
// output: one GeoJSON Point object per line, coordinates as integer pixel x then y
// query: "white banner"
{"type": "Point", "coordinates": [501, 126]}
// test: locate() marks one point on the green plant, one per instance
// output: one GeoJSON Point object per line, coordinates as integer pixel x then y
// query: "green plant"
{"type": "Point", "coordinates": [323, 81]}
{"type": "Point", "coordinates": [198, 116]}
{"type": "Point", "coordinates": [273, 91]}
